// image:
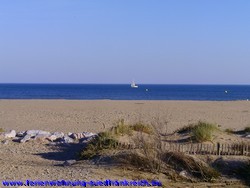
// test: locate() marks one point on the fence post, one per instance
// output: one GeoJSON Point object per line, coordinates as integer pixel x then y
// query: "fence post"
{"type": "Point", "coordinates": [218, 149]}
{"type": "Point", "coordinates": [242, 149]}
{"type": "Point", "coordinates": [234, 149]}
{"type": "Point", "coordinates": [228, 153]}
{"type": "Point", "coordinates": [209, 149]}
{"type": "Point", "coordinates": [189, 148]}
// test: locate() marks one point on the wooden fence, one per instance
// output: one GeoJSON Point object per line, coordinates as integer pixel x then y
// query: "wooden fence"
{"type": "Point", "coordinates": [210, 149]}
{"type": "Point", "coordinates": [201, 149]}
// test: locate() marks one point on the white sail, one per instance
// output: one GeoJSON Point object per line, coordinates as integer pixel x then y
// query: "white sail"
{"type": "Point", "coordinates": [133, 85]}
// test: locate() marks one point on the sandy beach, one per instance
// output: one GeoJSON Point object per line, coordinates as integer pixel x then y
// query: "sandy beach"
{"type": "Point", "coordinates": [36, 160]}
{"type": "Point", "coordinates": [96, 115]}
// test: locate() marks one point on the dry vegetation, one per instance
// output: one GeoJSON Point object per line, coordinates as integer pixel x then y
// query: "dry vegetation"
{"type": "Point", "coordinates": [121, 128]}
{"type": "Point", "coordinates": [197, 168]}
{"type": "Point", "coordinates": [103, 141]}
{"type": "Point", "coordinates": [199, 132]}
{"type": "Point", "coordinates": [109, 139]}
{"type": "Point", "coordinates": [150, 156]}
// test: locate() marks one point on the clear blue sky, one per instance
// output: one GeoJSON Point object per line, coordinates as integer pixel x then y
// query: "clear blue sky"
{"type": "Point", "coordinates": [115, 41]}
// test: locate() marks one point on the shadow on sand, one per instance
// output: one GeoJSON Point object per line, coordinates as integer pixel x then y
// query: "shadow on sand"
{"type": "Point", "coordinates": [63, 152]}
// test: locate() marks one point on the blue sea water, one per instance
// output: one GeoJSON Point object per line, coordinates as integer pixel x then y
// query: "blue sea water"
{"type": "Point", "coordinates": [125, 92]}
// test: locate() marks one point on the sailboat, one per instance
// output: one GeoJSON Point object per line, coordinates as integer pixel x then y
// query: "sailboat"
{"type": "Point", "coordinates": [133, 85]}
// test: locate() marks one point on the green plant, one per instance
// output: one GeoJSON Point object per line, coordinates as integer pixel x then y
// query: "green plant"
{"type": "Point", "coordinates": [1, 130]}
{"type": "Point", "coordinates": [150, 155]}
{"type": "Point", "coordinates": [121, 128]}
{"type": "Point", "coordinates": [229, 131]}
{"type": "Point", "coordinates": [149, 152]}
{"type": "Point", "coordinates": [247, 129]}
{"type": "Point", "coordinates": [103, 141]}
{"type": "Point", "coordinates": [203, 131]}
{"type": "Point", "coordinates": [140, 127]}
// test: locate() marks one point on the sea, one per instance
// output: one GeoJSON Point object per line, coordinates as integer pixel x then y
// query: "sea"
{"type": "Point", "coordinates": [125, 92]}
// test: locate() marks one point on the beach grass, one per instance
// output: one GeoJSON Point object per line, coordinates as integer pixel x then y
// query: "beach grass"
{"type": "Point", "coordinates": [1, 130]}
{"type": "Point", "coordinates": [141, 127]}
{"type": "Point", "coordinates": [247, 129]}
{"type": "Point", "coordinates": [180, 161]}
{"type": "Point", "coordinates": [200, 132]}
{"type": "Point", "coordinates": [147, 158]}
{"type": "Point", "coordinates": [103, 141]}
{"type": "Point", "coordinates": [203, 131]}
{"type": "Point", "coordinates": [138, 161]}
{"type": "Point", "coordinates": [121, 128]}
{"type": "Point", "coordinates": [229, 131]}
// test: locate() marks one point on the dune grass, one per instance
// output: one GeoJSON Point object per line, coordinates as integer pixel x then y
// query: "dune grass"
{"type": "Point", "coordinates": [108, 139]}
{"type": "Point", "coordinates": [140, 127]}
{"type": "Point", "coordinates": [121, 128]}
{"type": "Point", "coordinates": [138, 161]}
{"type": "Point", "coordinates": [229, 131]}
{"type": "Point", "coordinates": [149, 159]}
{"type": "Point", "coordinates": [203, 131]}
{"type": "Point", "coordinates": [247, 129]}
{"type": "Point", "coordinates": [127, 129]}
{"type": "Point", "coordinates": [96, 146]}
{"type": "Point", "coordinates": [1, 130]}
{"type": "Point", "coordinates": [196, 168]}
{"type": "Point", "coordinates": [200, 132]}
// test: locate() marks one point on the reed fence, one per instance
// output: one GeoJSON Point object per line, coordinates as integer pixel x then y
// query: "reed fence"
{"type": "Point", "coordinates": [210, 149]}
{"type": "Point", "coordinates": [201, 148]}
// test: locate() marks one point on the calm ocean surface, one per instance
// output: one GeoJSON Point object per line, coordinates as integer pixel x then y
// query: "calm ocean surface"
{"type": "Point", "coordinates": [124, 92]}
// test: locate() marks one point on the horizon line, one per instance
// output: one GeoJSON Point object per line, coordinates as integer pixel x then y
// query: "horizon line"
{"type": "Point", "coordinates": [40, 83]}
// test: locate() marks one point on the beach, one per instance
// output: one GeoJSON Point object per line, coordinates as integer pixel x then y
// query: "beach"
{"type": "Point", "coordinates": [125, 90]}
{"type": "Point", "coordinates": [97, 115]}
{"type": "Point", "coordinates": [43, 160]}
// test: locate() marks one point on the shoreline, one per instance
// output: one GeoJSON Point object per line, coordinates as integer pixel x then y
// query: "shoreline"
{"type": "Point", "coordinates": [124, 100]}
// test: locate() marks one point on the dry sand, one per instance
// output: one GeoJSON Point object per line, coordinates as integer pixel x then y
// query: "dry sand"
{"type": "Point", "coordinates": [78, 116]}
{"type": "Point", "coordinates": [40, 161]}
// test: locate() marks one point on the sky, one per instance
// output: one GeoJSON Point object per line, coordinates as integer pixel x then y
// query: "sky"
{"type": "Point", "coordinates": [117, 41]}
